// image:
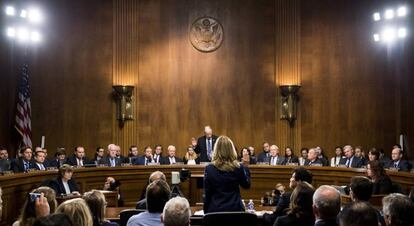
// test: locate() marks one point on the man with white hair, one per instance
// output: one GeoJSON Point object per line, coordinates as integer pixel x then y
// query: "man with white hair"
{"type": "Point", "coordinates": [111, 159]}
{"type": "Point", "coordinates": [275, 159]}
{"type": "Point", "coordinates": [205, 145]}
{"type": "Point", "coordinates": [176, 212]}
{"type": "Point", "coordinates": [350, 160]}
{"type": "Point", "coordinates": [313, 159]}
{"type": "Point", "coordinates": [171, 159]}
{"type": "Point", "coordinates": [326, 205]}
{"type": "Point", "coordinates": [398, 210]}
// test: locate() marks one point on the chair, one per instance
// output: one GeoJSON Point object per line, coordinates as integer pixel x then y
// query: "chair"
{"type": "Point", "coordinates": [230, 218]}
{"type": "Point", "coordinates": [124, 215]}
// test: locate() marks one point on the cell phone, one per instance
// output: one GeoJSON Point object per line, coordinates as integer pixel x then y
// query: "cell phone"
{"type": "Point", "coordinates": [34, 196]}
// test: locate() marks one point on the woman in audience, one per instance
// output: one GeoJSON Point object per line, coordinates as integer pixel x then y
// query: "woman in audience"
{"type": "Point", "coordinates": [77, 210]}
{"type": "Point", "coordinates": [300, 212]}
{"type": "Point", "coordinates": [97, 205]}
{"type": "Point", "coordinates": [28, 211]}
{"type": "Point", "coordinates": [381, 182]}
{"type": "Point", "coordinates": [290, 157]}
{"type": "Point", "coordinates": [56, 219]}
{"type": "Point", "coordinates": [191, 158]}
{"type": "Point", "coordinates": [64, 184]}
{"type": "Point", "coordinates": [304, 156]}
{"type": "Point", "coordinates": [373, 154]}
{"type": "Point", "coordinates": [246, 157]}
{"type": "Point", "coordinates": [338, 156]}
{"type": "Point", "coordinates": [223, 177]}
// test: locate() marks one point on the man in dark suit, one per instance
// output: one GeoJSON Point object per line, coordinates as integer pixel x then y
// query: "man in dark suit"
{"type": "Point", "coordinates": [60, 158]}
{"type": "Point", "coordinates": [158, 158]}
{"type": "Point", "coordinates": [24, 163]}
{"type": "Point", "coordinates": [275, 159]}
{"type": "Point", "coordinates": [5, 161]}
{"type": "Point", "coordinates": [313, 159]}
{"type": "Point", "coordinates": [265, 154]}
{"type": "Point", "coordinates": [145, 159]}
{"type": "Point", "coordinates": [171, 159]}
{"type": "Point", "coordinates": [40, 163]}
{"type": "Point", "coordinates": [111, 159]}
{"type": "Point", "coordinates": [350, 160]}
{"type": "Point", "coordinates": [133, 154]}
{"type": "Point", "coordinates": [397, 162]}
{"type": "Point", "coordinates": [326, 205]}
{"type": "Point", "coordinates": [78, 158]}
{"type": "Point", "coordinates": [205, 145]}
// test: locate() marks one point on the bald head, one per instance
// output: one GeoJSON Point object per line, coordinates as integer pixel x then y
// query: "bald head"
{"type": "Point", "coordinates": [326, 202]}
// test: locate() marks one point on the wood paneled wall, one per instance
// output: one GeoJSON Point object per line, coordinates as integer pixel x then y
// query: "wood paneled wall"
{"type": "Point", "coordinates": [350, 90]}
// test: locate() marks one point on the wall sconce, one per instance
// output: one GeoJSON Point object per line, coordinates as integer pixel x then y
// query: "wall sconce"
{"type": "Point", "coordinates": [289, 101]}
{"type": "Point", "coordinates": [123, 97]}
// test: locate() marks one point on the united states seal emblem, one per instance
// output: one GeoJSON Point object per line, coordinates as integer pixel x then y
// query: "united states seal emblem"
{"type": "Point", "coordinates": [206, 34]}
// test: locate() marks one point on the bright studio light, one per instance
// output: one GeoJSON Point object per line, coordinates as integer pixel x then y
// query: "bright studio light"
{"type": "Point", "coordinates": [402, 11]}
{"type": "Point", "coordinates": [376, 37]}
{"type": "Point", "coordinates": [388, 35]}
{"type": "Point", "coordinates": [23, 13]}
{"type": "Point", "coordinates": [389, 14]}
{"type": "Point", "coordinates": [10, 11]}
{"type": "Point", "coordinates": [35, 36]}
{"type": "Point", "coordinates": [35, 16]}
{"type": "Point", "coordinates": [11, 32]}
{"type": "Point", "coordinates": [376, 16]}
{"type": "Point", "coordinates": [22, 34]}
{"type": "Point", "coordinates": [402, 32]}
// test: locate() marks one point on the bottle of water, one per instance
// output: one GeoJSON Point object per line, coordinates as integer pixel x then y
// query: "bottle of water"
{"type": "Point", "coordinates": [250, 206]}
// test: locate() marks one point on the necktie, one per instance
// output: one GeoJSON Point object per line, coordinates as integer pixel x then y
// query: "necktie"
{"type": "Point", "coordinates": [26, 166]}
{"type": "Point", "coordinates": [112, 162]}
{"type": "Point", "coordinates": [146, 161]}
{"type": "Point", "coordinates": [42, 167]}
{"type": "Point", "coordinates": [172, 160]}
{"type": "Point", "coordinates": [347, 162]}
{"type": "Point", "coordinates": [395, 165]}
{"type": "Point", "coordinates": [209, 148]}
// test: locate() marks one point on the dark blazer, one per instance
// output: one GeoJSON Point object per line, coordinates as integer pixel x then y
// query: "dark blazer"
{"type": "Point", "coordinates": [201, 147]}
{"type": "Point", "coordinates": [356, 162]}
{"type": "Point", "coordinates": [316, 162]}
{"type": "Point", "coordinates": [280, 210]}
{"type": "Point", "coordinates": [221, 189]}
{"type": "Point", "coordinates": [263, 156]}
{"type": "Point", "coordinates": [280, 160]}
{"type": "Point", "coordinates": [161, 160]}
{"type": "Point", "coordinates": [140, 160]}
{"type": "Point", "coordinates": [106, 161]}
{"type": "Point", "coordinates": [382, 186]}
{"type": "Point", "coordinates": [292, 159]}
{"type": "Point", "coordinates": [57, 185]}
{"type": "Point", "coordinates": [167, 160]}
{"type": "Point", "coordinates": [45, 164]}
{"type": "Point", "coordinates": [18, 166]}
{"type": "Point", "coordinates": [5, 165]}
{"type": "Point", "coordinates": [403, 165]}
{"type": "Point", "coordinates": [56, 163]}
{"type": "Point", "coordinates": [329, 222]}
{"type": "Point", "coordinates": [72, 161]}
{"type": "Point", "coordinates": [292, 220]}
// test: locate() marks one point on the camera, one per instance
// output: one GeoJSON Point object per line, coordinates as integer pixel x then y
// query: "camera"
{"type": "Point", "coordinates": [34, 196]}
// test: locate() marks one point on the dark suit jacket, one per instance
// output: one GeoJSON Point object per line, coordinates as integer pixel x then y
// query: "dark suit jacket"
{"type": "Point", "coordinates": [292, 220]}
{"type": "Point", "coordinates": [57, 185]}
{"type": "Point", "coordinates": [221, 189]}
{"type": "Point", "coordinates": [262, 157]}
{"type": "Point", "coordinates": [329, 222]}
{"type": "Point", "coordinates": [161, 160]}
{"type": "Point", "coordinates": [316, 162]}
{"type": "Point", "coordinates": [45, 164]}
{"type": "Point", "coordinates": [281, 207]}
{"type": "Point", "coordinates": [56, 163]}
{"type": "Point", "coordinates": [18, 166]}
{"type": "Point", "coordinates": [72, 161]}
{"type": "Point", "coordinates": [201, 147]}
{"type": "Point", "coordinates": [167, 160]}
{"type": "Point", "coordinates": [140, 160]}
{"type": "Point", "coordinates": [403, 165]}
{"type": "Point", "coordinates": [383, 186]}
{"type": "Point", "coordinates": [293, 159]}
{"type": "Point", "coordinates": [5, 165]}
{"type": "Point", "coordinates": [106, 161]}
{"type": "Point", "coordinates": [356, 162]}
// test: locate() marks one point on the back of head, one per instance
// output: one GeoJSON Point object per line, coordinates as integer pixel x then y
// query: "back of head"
{"type": "Point", "coordinates": [176, 212]}
{"type": "Point", "coordinates": [157, 175]}
{"type": "Point", "coordinates": [361, 188]}
{"type": "Point", "coordinates": [157, 194]}
{"type": "Point", "coordinates": [77, 210]}
{"type": "Point", "coordinates": [28, 212]}
{"type": "Point", "coordinates": [56, 219]}
{"type": "Point", "coordinates": [398, 210]}
{"type": "Point", "coordinates": [359, 214]}
{"type": "Point", "coordinates": [327, 202]}
{"type": "Point", "coordinates": [224, 154]}
{"type": "Point", "coordinates": [302, 174]}
{"type": "Point", "coordinates": [96, 203]}
{"type": "Point", "coordinates": [301, 200]}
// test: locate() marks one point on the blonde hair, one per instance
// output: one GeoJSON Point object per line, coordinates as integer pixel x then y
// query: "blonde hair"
{"type": "Point", "coordinates": [192, 156]}
{"type": "Point", "coordinates": [77, 210]}
{"type": "Point", "coordinates": [225, 155]}
{"type": "Point", "coordinates": [96, 202]}
{"type": "Point", "coordinates": [65, 168]}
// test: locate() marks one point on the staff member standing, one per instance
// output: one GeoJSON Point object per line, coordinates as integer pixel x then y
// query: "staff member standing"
{"type": "Point", "coordinates": [223, 177]}
{"type": "Point", "coordinates": [205, 144]}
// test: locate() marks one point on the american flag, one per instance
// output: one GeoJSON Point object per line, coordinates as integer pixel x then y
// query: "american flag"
{"type": "Point", "coordinates": [23, 111]}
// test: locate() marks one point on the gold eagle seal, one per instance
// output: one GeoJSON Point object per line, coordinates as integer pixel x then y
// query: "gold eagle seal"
{"type": "Point", "coordinates": [206, 34]}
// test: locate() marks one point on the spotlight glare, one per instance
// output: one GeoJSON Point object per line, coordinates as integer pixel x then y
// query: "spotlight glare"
{"type": "Point", "coordinates": [389, 14]}
{"type": "Point", "coordinates": [35, 36]}
{"type": "Point", "coordinates": [376, 37]}
{"type": "Point", "coordinates": [10, 11]}
{"type": "Point", "coordinates": [11, 32]}
{"type": "Point", "coordinates": [23, 13]}
{"type": "Point", "coordinates": [35, 16]}
{"type": "Point", "coordinates": [402, 11]}
{"type": "Point", "coordinates": [402, 32]}
{"type": "Point", "coordinates": [376, 16]}
{"type": "Point", "coordinates": [388, 35]}
{"type": "Point", "coordinates": [22, 34]}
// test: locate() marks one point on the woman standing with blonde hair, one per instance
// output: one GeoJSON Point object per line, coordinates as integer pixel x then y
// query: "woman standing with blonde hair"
{"type": "Point", "coordinates": [223, 177]}
{"type": "Point", "coordinates": [77, 210]}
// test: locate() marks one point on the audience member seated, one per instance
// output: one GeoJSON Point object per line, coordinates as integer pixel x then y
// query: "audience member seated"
{"type": "Point", "coordinates": [373, 154]}
{"type": "Point", "coordinates": [157, 175]}
{"type": "Point", "coordinates": [313, 159]}
{"type": "Point", "coordinates": [60, 158]}
{"type": "Point", "coordinates": [381, 182]}
{"type": "Point", "coordinates": [225, 168]}
{"type": "Point", "coordinates": [146, 158]}
{"type": "Point", "coordinates": [40, 163]}
{"type": "Point", "coordinates": [5, 161]}
{"type": "Point", "coordinates": [30, 210]}
{"type": "Point", "coordinates": [275, 159]}
{"type": "Point", "coordinates": [350, 160]}
{"type": "Point", "coordinates": [171, 158]}
{"type": "Point", "coordinates": [326, 205]}
{"type": "Point", "coordinates": [24, 163]}
{"type": "Point", "coordinates": [77, 210]}
{"type": "Point", "coordinates": [397, 162]}
{"type": "Point", "coordinates": [176, 212]}
{"type": "Point", "coordinates": [158, 158]}
{"type": "Point", "coordinates": [99, 154]}
{"type": "Point", "coordinates": [398, 210]}
{"type": "Point", "coordinates": [114, 185]}
{"type": "Point", "coordinates": [97, 205]}
{"type": "Point", "coordinates": [111, 160]}
{"type": "Point", "coordinates": [265, 154]}
{"type": "Point", "coordinates": [303, 156]}
{"type": "Point", "coordinates": [191, 158]}
{"type": "Point", "coordinates": [245, 157]}
{"type": "Point", "coordinates": [359, 154]}
{"type": "Point", "coordinates": [158, 193]}
{"type": "Point", "coordinates": [132, 154]}
{"type": "Point", "coordinates": [300, 174]}
{"type": "Point", "coordinates": [64, 184]}
{"type": "Point", "coordinates": [300, 211]}
{"type": "Point", "coordinates": [290, 157]}
{"type": "Point", "coordinates": [78, 158]}
{"type": "Point", "coordinates": [338, 156]}
{"type": "Point", "coordinates": [321, 156]}
{"type": "Point", "coordinates": [358, 214]}
{"type": "Point", "coordinates": [56, 219]}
